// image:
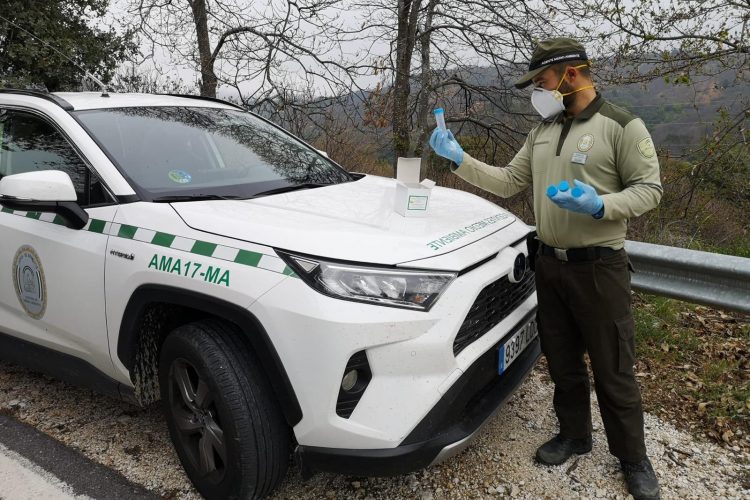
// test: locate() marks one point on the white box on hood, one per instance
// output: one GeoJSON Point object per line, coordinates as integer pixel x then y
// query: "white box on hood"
{"type": "Point", "coordinates": [412, 197]}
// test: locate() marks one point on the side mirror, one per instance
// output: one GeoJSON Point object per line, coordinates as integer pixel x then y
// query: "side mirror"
{"type": "Point", "coordinates": [43, 191]}
{"type": "Point", "coordinates": [322, 152]}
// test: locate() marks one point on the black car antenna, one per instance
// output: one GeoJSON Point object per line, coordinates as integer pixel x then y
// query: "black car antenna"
{"type": "Point", "coordinates": [87, 74]}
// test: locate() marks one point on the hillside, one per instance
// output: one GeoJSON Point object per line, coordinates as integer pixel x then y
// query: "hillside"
{"type": "Point", "coordinates": [680, 115]}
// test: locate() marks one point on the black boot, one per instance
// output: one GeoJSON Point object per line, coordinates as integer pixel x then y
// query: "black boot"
{"type": "Point", "coordinates": [558, 449]}
{"type": "Point", "coordinates": [641, 479]}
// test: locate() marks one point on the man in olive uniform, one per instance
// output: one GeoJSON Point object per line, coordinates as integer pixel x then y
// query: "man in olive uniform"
{"type": "Point", "coordinates": [592, 166]}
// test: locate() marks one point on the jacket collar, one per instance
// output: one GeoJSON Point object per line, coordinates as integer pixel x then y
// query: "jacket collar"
{"type": "Point", "coordinates": [590, 110]}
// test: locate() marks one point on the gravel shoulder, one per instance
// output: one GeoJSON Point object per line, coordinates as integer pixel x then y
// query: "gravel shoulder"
{"type": "Point", "coordinates": [135, 442]}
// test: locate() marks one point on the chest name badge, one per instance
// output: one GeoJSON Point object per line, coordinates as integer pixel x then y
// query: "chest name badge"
{"type": "Point", "coordinates": [579, 158]}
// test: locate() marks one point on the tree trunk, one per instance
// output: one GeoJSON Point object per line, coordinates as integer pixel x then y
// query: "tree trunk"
{"type": "Point", "coordinates": [424, 123]}
{"type": "Point", "coordinates": [408, 12]}
{"type": "Point", "coordinates": [208, 81]}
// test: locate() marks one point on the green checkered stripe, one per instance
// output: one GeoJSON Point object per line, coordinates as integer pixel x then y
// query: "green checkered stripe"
{"type": "Point", "coordinates": [42, 216]}
{"type": "Point", "coordinates": [197, 247]}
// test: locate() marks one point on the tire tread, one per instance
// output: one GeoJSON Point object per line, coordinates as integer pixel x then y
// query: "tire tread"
{"type": "Point", "coordinates": [247, 392]}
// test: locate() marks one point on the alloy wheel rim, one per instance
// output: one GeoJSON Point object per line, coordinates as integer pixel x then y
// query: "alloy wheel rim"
{"type": "Point", "coordinates": [197, 421]}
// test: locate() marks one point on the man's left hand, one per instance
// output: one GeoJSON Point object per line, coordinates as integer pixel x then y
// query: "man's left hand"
{"type": "Point", "coordinates": [582, 199]}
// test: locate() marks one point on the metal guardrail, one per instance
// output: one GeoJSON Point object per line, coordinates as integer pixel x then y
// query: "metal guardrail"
{"type": "Point", "coordinates": [706, 278]}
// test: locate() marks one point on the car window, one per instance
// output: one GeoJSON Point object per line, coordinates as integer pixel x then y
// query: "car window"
{"type": "Point", "coordinates": [29, 143]}
{"type": "Point", "coordinates": [205, 151]}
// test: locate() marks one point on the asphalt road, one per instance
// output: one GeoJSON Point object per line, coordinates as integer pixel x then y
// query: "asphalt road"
{"type": "Point", "coordinates": [35, 466]}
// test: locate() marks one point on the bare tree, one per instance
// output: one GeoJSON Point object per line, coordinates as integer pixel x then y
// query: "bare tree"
{"type": "Point", "coordinates": [674, 38]}
{"type": "Point", "coordinates": [130, 77]}
{"type": "Point", "coordinates": [264, 51]}
{"type": "Point", "coordinates": [309, 55]}
{"type": "Point", "coordinates": [460, 55]}
{"type": "Point", "coordinates": [677, 41]}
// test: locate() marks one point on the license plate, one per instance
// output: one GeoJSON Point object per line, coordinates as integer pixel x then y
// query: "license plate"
{"type": "Point", "coordinates": [510, 350]}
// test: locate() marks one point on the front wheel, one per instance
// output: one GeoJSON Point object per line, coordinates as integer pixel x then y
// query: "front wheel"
{"type": "Point", "coordinates": [224, 422]}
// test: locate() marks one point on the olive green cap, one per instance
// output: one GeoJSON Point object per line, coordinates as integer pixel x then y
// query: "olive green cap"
{"type": "Point", "coordinates": [549, 52]}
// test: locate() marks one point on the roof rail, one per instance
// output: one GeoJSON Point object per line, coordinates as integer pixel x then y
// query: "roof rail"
{"type": "Point", "coordinates": [43, 95]}
{"type": "Point", "coordinates": [204, 98]}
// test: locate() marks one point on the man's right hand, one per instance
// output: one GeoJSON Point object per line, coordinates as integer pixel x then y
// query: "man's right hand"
{"type": "Point", "coordinates": [447, 146]}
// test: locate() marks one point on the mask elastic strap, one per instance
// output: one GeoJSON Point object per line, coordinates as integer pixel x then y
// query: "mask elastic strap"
{"type": "Point", "coordinates": [557, 89]}
{"type": "Point", "coordinates": [563, 79]}
{"type": "Point", "coordinates": [578, 90]}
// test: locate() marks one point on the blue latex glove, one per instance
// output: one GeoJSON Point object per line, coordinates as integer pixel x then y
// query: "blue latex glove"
{"type": "Point", "coordinates": [582, 198]}
{"type": "Point", "coordinates": [446, 145]}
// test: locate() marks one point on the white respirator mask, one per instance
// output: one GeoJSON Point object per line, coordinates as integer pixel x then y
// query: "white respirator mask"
{"type": "Point", "coordinates": [549, 103]}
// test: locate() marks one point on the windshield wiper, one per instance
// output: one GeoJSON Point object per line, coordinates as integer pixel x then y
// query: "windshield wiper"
{"type": "Point", "coordinates": [286, 189]}
{"type": "Point", "coordinates": [195, 197]}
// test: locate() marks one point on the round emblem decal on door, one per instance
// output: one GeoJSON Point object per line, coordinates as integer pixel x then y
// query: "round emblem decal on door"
{"type": "Point", "coordinates": [586, 142]}
{"type": "Point", "coordinates": [28, 281]}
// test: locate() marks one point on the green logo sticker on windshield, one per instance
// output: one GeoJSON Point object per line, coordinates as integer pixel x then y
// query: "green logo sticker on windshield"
{"type": "Point", "coordinates": [180, 176]}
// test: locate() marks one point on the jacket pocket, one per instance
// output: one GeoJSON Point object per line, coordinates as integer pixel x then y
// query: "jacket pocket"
{"type": "Point", "coordinates": [626, 343]}
{"type": "Point", "coordinates": [631, 267]}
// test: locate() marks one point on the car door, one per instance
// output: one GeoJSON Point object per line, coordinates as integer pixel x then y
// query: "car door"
{"type": "Point", "coordinates": [52, 278]}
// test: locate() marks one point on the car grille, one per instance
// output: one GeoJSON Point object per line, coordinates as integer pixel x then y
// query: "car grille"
{"type": "Point", "coordinates": [494, 303]}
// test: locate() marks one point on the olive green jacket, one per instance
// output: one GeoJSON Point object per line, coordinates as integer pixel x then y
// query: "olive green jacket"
{"type": "Point", "coordinates": [604, 146]}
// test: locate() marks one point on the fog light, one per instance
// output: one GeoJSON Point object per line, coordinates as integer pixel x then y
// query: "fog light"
{"type": "Point", "coordinates": [349, 380]}
{"type": "Point", "coordinates": [354, 381]}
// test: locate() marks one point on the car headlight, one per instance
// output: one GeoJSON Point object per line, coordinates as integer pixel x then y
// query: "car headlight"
{"type": "Point", "coordinates": [385, 286]}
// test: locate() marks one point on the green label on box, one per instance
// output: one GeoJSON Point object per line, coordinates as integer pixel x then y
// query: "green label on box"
{"type": "Point", "coordinates": [417, 203]}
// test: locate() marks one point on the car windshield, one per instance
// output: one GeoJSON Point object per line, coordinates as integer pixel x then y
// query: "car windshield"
{"type": "Point", "coordinates": [184, 153]}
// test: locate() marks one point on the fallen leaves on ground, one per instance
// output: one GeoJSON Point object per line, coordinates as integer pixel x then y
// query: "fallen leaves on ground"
{"type": "Point", "coordinates": [698, 376]}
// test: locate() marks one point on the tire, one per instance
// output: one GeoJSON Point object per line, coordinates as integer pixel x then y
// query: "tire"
{"type": "Point", "coordinates": [223, 419]}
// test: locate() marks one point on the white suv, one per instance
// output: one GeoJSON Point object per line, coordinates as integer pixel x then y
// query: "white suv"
{"type": "Point", "coordinates": [180, 249]}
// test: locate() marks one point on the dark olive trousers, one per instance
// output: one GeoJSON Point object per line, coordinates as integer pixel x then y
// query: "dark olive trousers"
{"type": "Point", "coordinates": [586, 307]}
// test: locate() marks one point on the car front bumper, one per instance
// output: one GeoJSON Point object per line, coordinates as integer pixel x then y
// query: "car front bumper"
{"type": "Point", "coordinates": [410, 354]}
{"type": "Point", "coordinates": [445, 431]}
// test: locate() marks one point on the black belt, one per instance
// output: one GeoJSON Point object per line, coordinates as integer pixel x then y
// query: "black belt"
{"type": "Point", "coordinates": [576, 254]}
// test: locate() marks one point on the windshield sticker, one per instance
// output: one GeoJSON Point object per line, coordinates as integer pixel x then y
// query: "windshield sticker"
{"type": "Point", "coordinates": [180, 177]}
{"type": "Point", "coordinates": [466, 230]}
{"type": "Point", "coordinates": [29, 283]}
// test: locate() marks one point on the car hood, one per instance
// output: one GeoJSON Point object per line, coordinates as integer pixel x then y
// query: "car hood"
{"type": "Point", "coordinates": [354, 221]}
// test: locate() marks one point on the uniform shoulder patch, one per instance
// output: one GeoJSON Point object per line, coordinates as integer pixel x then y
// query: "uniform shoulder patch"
{"type": "Point", "coordinates": [646, 147]}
